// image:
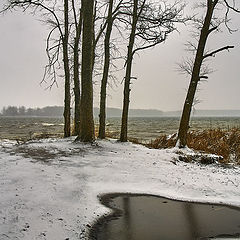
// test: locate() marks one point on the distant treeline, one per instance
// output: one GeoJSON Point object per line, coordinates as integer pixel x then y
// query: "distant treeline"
{"type": "Point", "coordinates": [54, 111]}
{"type": "Point", "coordinates": [57, 111]}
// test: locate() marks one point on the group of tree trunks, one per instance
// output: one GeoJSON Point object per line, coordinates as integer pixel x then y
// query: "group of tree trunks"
{"type": "Point", "coordinates": [148, 23]}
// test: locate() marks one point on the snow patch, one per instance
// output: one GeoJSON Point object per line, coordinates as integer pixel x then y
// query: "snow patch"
{"type": "Point", "coordinates": [57, 198]}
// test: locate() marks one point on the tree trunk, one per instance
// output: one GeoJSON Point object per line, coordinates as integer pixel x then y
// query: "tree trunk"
{"type": "Point", "coordinates": [184, 122]}
{"type": "Point", "coordinates": [76, 77]}
{"type": "Point", "coordinates": [126, 99]}
{"type": "Point", "coordinates": [67, 101]}
{"type": "Point", "coordinates": [86, 117]}
{"type": "Point", "coordinates": [102, 115]}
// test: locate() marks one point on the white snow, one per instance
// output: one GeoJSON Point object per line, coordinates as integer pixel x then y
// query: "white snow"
{"type": "Point", "coordinates": [49, 188]}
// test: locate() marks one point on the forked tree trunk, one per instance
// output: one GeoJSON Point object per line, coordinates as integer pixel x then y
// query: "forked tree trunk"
{"type": "Point", "coordinates": [86, 117]}
{"type": "Point", "coordinates": [184, 122]}
{"type": "Point", "coordinates": [67, 101]}
{"type": "Point", "coordinates": [102, 115]}
{"type": "Point", "coordinates": [126, 99]}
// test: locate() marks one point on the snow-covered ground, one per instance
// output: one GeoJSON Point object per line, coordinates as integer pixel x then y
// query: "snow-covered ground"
{"type": "Point", "coordinates": [49, 188]}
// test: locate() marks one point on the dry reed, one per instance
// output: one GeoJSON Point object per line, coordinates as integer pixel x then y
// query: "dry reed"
{"type": "Point", "coordinates": [225, 143]}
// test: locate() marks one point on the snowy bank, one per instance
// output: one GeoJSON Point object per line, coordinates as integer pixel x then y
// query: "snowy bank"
{"type": "Point", "coordinates": [49, 188]}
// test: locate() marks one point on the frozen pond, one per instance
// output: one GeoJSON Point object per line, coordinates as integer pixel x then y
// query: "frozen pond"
{"type": "Point", "coordinates": [141, 217]}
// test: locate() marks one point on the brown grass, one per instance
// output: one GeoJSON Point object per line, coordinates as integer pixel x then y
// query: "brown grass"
{"type": "Point", "coordinates": [225, 143]}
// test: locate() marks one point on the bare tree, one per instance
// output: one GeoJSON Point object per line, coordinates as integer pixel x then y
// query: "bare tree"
{"type": "Point", "coordinates": [49, 12]}
{"type": "Point", "coordinates": [76, 74]}
{"type": "Point", "coordinates": [196, 68]}
{"type": "Point", "coordinates": [150, 25]}
{"type": "Point", "coordinates": [102, 114]}
{"type": "Point", "coordinates": [86, 118]}
{"type": "Point", "coordinates": [98, 30]}
{"type": "Point", "coordinates": [135, 16]}
{"type": "Point", "coordinates": [111, 17]}
{"type": "Point", "coordinates": [67, 100]}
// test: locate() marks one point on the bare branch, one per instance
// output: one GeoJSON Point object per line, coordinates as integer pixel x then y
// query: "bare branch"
{"type": "Point", "coordinates": [147, 46]}
{"type": "Point", "coordinates": [212, 29]}
{"type": "Point", "coordinates": [232, 7]}
{"type": "Point", "coordinates": [213, 53]}
{"type": "Point", "coordinates": [27, 3]}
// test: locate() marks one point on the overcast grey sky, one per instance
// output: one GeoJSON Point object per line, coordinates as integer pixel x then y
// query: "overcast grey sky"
{"type": "Point", "coordinates": [159, 85]}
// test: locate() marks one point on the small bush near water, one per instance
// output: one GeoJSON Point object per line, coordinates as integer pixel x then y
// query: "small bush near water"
{"type": "Point", "coordinates": [225, 143]}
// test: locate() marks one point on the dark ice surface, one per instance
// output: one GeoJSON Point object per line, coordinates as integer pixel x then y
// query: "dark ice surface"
{"type": "Point", "coordinates": [145, 217]}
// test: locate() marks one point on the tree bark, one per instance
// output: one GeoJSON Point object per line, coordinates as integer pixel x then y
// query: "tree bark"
{"type": "Point", "coordinates": [86, 117]}
{"type": "Point", "coordinates": [126, 99]}
{"type": "Point", "coordinates": [76, 77]}
{"type": "Point", "coordinates": [185, 118]}
{"type": "Point", "coordinates": [67, 101]}
{"type": "Point", "coordinates": [102, 115]}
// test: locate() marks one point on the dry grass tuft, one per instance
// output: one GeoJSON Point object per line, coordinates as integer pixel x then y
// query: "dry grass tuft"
{"type": "Point", "coordinates": [225, 143]}
{"type": "Point", "coordinates": [163, 141]}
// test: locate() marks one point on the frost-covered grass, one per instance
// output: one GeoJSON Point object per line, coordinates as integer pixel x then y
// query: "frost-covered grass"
{"type": "Point", "coordinates": [49, 187]}
{"type": "Point", "coordinates": [225, 143]}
